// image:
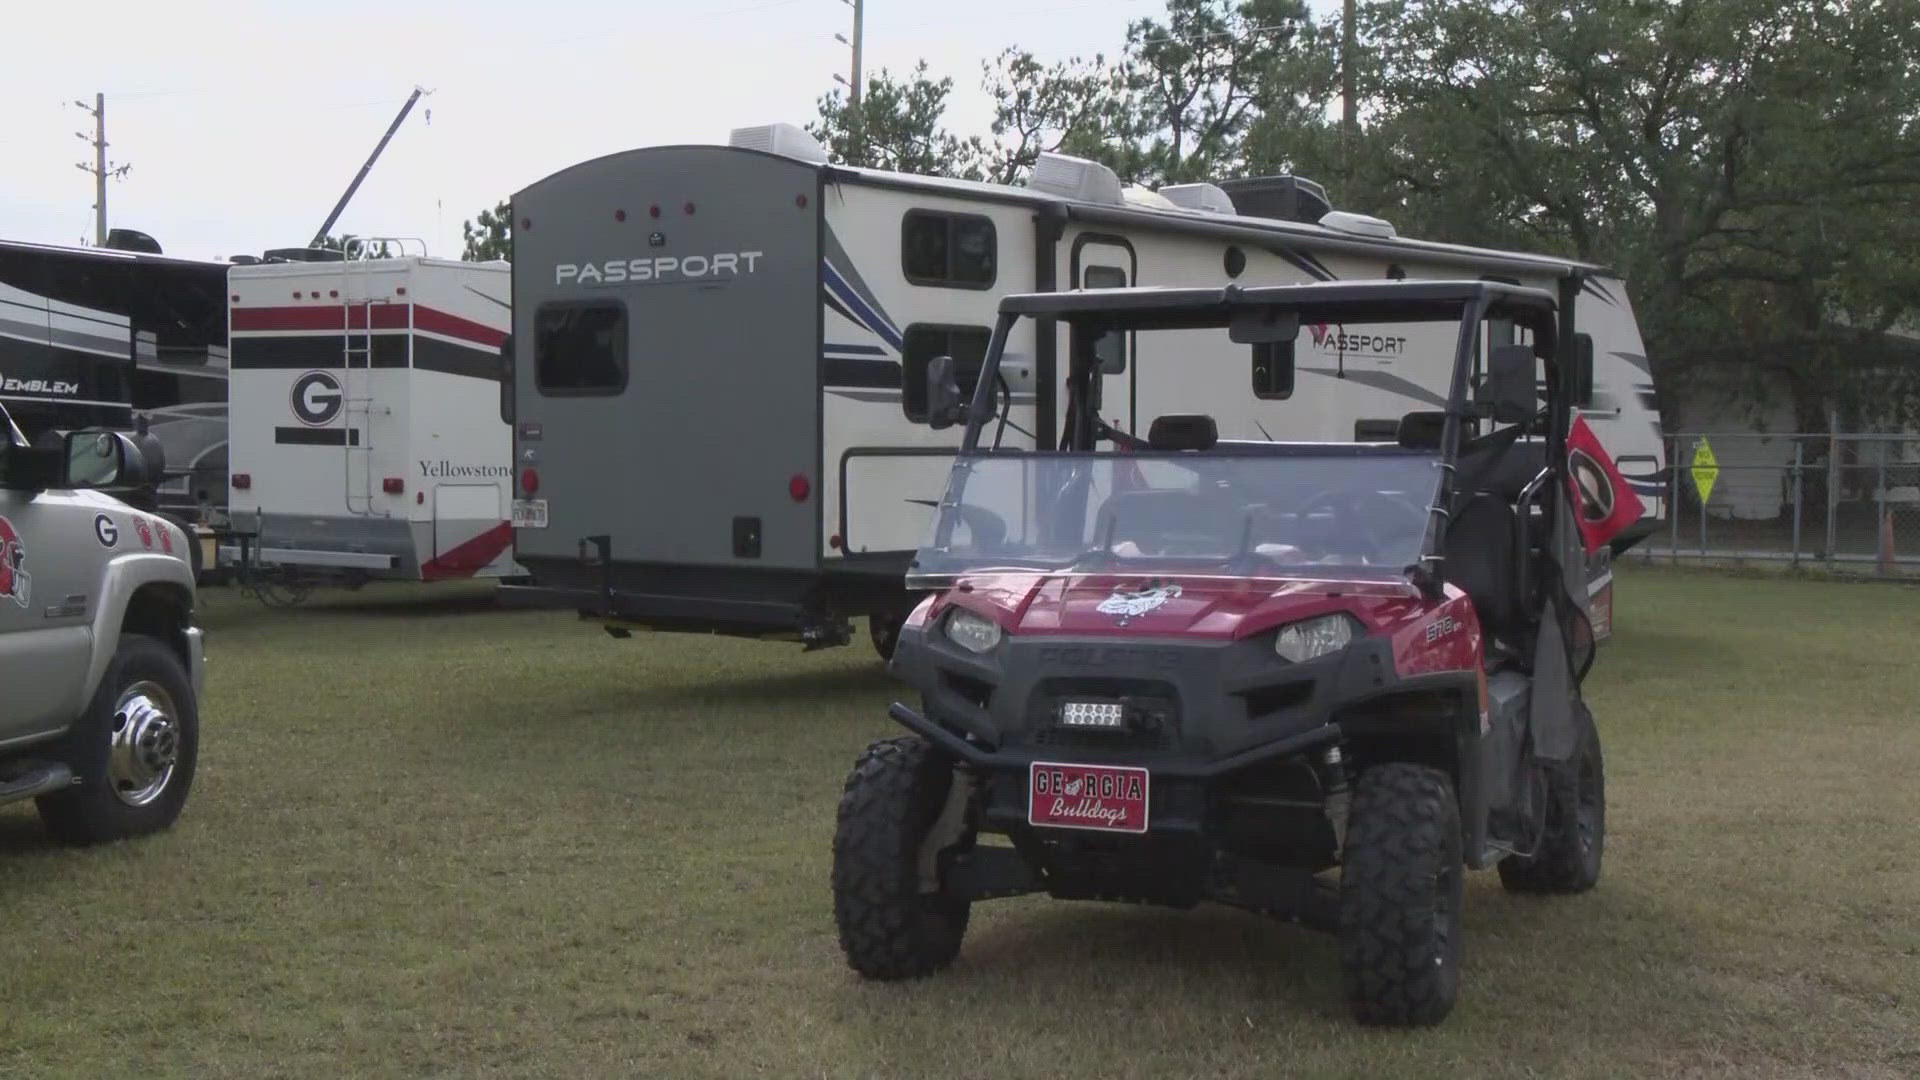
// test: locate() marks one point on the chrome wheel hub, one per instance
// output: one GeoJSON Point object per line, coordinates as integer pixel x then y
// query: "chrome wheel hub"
{"type": "Point", "coordinates": [145, 746]}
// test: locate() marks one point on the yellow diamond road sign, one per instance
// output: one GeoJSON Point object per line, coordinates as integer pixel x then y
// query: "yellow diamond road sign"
{"type": "Point", "coordinates": [1705, 470]}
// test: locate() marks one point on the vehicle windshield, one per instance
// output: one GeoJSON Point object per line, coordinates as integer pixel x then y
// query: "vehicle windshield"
{"type": "Point", "coordinates": [1299, 511]}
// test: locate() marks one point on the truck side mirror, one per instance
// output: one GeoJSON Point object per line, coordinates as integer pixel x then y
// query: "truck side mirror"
{"type": "Point", "coordinates": [945, 407]}
{"type": "Point", "coordinates": [101, 459]}
{"type": "Point", "coordinates": [1509, 393]}
{"type": "Point", "coordinates": [506, 380]}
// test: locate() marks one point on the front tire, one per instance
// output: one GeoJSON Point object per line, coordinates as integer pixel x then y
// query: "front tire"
{"type": "Point", "coordinates": [889, 927]}
{"type": "Point", "coordinates": [133, 752]}
{"type": "Point", "coordinates": [1402, 885]}
{"type": "Point", "coordinates": [1575, 836]}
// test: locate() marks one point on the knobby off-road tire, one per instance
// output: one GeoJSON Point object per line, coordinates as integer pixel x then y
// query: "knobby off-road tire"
{"type": "Point", "coordinates": [889, 929]}
{"type": "Point", "coordinates": [133, 751]}
{"type": "Point", "coordinates": [1575, 835]}
{"type": "Point", "coordinates": [1401, 889]}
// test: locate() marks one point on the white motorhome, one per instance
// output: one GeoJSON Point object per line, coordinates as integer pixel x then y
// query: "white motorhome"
{"type": "Point", "coordinates": [365, 439]}
{"type": "Point", "coordinates": [722, 364]}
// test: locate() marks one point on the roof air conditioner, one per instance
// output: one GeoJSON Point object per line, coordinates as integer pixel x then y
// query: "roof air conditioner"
{"type": "Point", "coordinates": [1146, 197]}
{"type": "Point", "coordinates": [1357, 224]}
{"type": "Point", "coordinates": [1208, 197]}
{"type": "Point", "coordinates": [1075, 178]}
{"type": "Point", "coordinates": [783, 139]}
{"type": "Point", "coordinates": [1283, 198]}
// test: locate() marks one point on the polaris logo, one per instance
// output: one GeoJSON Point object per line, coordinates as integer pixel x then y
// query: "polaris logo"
{"type": "Point", "coordinates": [448, 470]}
{"type": "Point", "coordinates": [39, 386]}
{"type": "Point", "coordinates": [658, 268]}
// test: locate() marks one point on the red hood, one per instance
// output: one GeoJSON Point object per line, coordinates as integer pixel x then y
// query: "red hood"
{"type": "Point", "coordinates": [1427, 635]}
{"type": "Point", "coordinates": [1174, 605]}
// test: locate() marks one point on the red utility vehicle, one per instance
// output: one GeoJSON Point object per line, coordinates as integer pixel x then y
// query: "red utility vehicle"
{"type": "Point", "coordinates": [1316, 681]}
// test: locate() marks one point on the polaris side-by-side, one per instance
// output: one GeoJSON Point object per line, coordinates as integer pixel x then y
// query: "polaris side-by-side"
{"type": "Point", "coordinates": [1318, 681]}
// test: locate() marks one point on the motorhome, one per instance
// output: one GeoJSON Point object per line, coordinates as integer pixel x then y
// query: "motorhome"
{"type": "Point", "coordinates": [100, 337]}
{"type": "Point", "coordinates": [365, 437]}
{"type": "Point", "coordinates": [720, 364]}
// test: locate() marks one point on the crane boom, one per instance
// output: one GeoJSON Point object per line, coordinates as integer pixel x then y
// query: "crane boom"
{"type": "Point", "coordinates": [321, 236]}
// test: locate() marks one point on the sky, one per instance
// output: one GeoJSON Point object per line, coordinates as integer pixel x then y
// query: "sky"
{"type": "Point", "coordinates": [243, 122]}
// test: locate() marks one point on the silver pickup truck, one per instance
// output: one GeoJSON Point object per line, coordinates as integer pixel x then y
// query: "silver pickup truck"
{"type": "Point", "coordinates": [101, 664]}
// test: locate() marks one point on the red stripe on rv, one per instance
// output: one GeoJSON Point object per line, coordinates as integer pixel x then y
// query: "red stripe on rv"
{"type": "Point", "coordinates": [468, 559]}
{"type": "Point", "coordinates": [385, 317]}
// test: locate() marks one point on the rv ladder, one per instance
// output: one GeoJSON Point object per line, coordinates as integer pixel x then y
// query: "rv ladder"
{"type": "Point", "coordinates": [356, 385]}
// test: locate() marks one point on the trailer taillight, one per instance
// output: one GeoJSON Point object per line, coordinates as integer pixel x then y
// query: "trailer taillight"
{"type": "Point", "coordinates": [799, 487]}
{"type": "Point", "coordinates": [393, 485]}
{"type": "Point", "coordinates": [243, 481]}
{"type": "Point", "coordinates": [619, 215]}
{"type": "Point", "coordinates": [530, 481]}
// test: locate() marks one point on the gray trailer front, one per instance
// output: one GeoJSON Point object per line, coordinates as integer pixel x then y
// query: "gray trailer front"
{"type": "Point", "coordinates": [665, 398]}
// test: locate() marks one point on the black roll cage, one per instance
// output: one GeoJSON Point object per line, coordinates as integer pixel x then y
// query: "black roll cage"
{"type": "Point", "coordinates": [1469, 303]}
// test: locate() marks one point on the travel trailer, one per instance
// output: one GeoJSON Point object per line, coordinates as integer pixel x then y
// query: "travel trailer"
{"type": "Point", "coordinates": [365, 440]}
{"type": "Point", "coordinates": [97, 337]}
{"type": "Point", "coordinates": [720, 369]}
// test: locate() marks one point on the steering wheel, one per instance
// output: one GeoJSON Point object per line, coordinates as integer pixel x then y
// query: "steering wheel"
{"type": "Point", "coordinates": [1360, 529]}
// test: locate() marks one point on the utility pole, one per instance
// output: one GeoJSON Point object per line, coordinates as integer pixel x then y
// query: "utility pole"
{"type": "Point", "coordinates": [853, 82]}
{"type": "Point", "coordinates": [1349, 108]}
{"type": "Point", "coordinates": [99, 167]}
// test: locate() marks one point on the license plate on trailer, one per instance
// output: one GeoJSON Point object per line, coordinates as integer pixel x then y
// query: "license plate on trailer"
{"type": "Point", "coordinates": [1104, 798]}
{"type": "Point", "coordinates": [529, 513]}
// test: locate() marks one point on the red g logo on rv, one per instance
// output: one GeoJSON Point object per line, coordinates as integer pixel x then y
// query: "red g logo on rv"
{"type": "Point", "coordinates": [317, 398]}
{"type": "Point", "coordinates": [15, 584]}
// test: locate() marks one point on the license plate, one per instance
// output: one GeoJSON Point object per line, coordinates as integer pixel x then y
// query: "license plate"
{"type": "Point", "coordinates": [529, 513]}
{"type": "Point", "coordinates": [1104, 798]}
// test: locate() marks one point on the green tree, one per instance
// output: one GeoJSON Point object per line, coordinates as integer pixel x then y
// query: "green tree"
{"type": "Point", "coordinates": [489, 235]}
{"type": "Point", "coordinates": [898, 127]}
{"type": "Point", "coordinates": [1751, 165]}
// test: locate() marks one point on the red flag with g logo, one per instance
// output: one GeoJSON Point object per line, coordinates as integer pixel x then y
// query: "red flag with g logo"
{"type": "Point", "coordinates": [1603, 500]}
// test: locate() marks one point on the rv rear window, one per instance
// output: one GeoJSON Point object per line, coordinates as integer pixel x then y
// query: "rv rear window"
{"type": "Point", "coordinates": [580, 347]}
{"type": "Point", "coordinates": [921, 343]}
{"type": "Point", "coordinates": [952, 251]}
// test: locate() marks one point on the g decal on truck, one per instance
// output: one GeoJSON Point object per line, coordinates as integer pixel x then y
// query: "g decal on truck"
{"type": "Point", "coordinates": [15, 583]}
{"type": "Point", "coordinates": [105, 531]}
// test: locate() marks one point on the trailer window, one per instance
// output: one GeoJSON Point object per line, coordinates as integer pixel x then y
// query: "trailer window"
{"type": "Point", "coordinates": [950, 251]}
{"type": "Point", "coordinates": [580, 347]}
{"type": "Point", "coordinates": [921, 343]}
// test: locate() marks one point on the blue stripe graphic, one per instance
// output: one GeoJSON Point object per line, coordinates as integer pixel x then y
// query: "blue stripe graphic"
{"type": "Point", "coordinates": [867, 317]}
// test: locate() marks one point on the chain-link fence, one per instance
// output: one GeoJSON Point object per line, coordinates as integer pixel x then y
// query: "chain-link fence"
{"type": "Point", "coordinates": [1837, 502]}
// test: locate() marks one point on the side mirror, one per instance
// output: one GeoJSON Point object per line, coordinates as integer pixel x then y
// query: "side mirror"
{"type": "Point", "coordinates": [945, 407]}
{"type": "Point", "coordinates": [102, 459]}
{"type": "Point", "coordinates": [1580, 370]}
{"type": "Point", "coordinates": [1509, 393]}
{"type": "Point", "coordinates": [506, 380]}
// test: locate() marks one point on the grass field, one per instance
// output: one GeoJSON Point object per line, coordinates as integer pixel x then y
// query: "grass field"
{"type": "Point", "coordinates": [431, 838]}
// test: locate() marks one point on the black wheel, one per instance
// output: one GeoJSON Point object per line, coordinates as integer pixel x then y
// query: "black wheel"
{"type": "Point", "coordinates": [891, 925]}
{"type": "Point", "coordinates": [885, 632]}
{"type": "Point", "coordinates": [133, 751]}
{"type": "Point", "coordinates": [1575, 836]}
{"type": "Point", "coordinates": [1402, 884]}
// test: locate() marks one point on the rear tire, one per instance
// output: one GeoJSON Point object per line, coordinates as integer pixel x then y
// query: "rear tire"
{"type": "Point", "coordinates": [133, 752]}
{"type": "Point", "coordinates": [1402, 886]}
{"type": "Point", "coordinates": [889, 928]}
{"type": "Point", "coordinates": [1575, 836]}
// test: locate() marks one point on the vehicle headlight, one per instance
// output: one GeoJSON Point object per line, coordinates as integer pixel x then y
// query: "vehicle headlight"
{"type": "Point", "coordinates": [971, 632]}
{"type": "Point", "coordinates": [1310, 639]}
